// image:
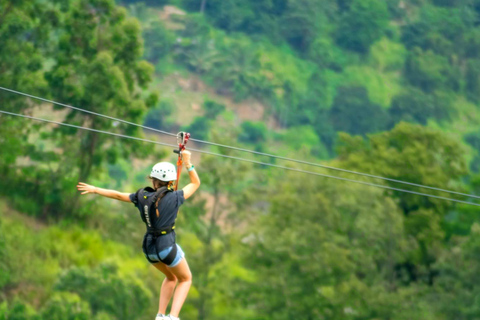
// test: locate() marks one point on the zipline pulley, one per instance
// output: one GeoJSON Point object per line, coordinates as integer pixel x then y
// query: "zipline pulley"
{"type": "Point", "coordinates": [182, 139]}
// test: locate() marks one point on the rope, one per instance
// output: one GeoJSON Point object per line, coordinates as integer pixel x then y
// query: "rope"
{"type": "Point", "coordinates": [245, 160]}
{"type": "Point", "coordinates": [247, 150]}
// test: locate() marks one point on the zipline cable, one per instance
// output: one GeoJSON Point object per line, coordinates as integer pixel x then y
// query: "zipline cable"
{"type": "Point", "coordinates": [247, 150]}
{"type": "Point", "coordinates": [86, 111]}
{"type": "Point", "coordinates": [242, 159]}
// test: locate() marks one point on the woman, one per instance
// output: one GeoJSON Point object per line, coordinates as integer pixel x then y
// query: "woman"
{"type": "Point", "coordinates": [158, 208]}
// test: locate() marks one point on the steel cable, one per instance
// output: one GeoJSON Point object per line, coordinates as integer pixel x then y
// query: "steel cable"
{"type": "Point", "coordinates": [247, 150]}
{"type": "Point", "coordinates": [242, 159]}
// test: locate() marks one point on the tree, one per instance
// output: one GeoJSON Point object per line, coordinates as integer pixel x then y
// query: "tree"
{"type": "Point", "coordinates": [158, 117]}
{"type": "Point", "coordinates": [123, 297]}
{"type": "Point", "coordinates": [430, 71]}
{"type": "Point", "coordinates": [439, 29]}
{"type": "Point", "coordinates": [411, 106]}
{"type": "Point", "coordinates": [253, 132]}
{"type": "Point", "coordinates": [412, 153]}
{"type": "Point", "coordinates": [4, 270]}
{"type": "Point", "coordinates": [326, 54]}
{"type": "Point", "coordinates": [458, 279]}
{"type": "Point", "coordinates": [362, 24]}
{"type": "Point", "coordinates": [419, 155]}
{"type": "Point", "coordinates": [201, 127]}
{"type": "Point", "coordinates": [66, 306]}
{"type": "Point", "coordinates": [25, 27]}
{"type": "Point", "coordinates": [304, 21]}
{"type": "Point", "coordinates": [98, 66]}
{"type": "Point", "coordinates": [353, 112]}
{"type": "Point", "coordinates": [330, 248]}
{"type": "Point", "coordinates": [231, 15]}
{"type": "Point", "coordinates": [212, 109]}
{"type": "Point", "coordinates": [473, 80]}
{"type": "Point", "coordinates": [159, 41]}
{"type": "Point", "coordinates": [238, 72]}
{"type": "Point", "coordinates": [19, 311]}
{"type": "Point", "coordinates": [473, 139]}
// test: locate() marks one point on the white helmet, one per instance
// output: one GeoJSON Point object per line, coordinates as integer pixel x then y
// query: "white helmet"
{"type": "Point", "coordinates": [164, 171]}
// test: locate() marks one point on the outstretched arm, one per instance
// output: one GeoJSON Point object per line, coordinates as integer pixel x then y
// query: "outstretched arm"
{"type": "Point", "coordinates": [190, 188]}
{"type": "Point", "coordinates": [86, 188]}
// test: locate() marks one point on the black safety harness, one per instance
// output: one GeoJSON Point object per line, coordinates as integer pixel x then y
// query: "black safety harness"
{"type": "Point", "coordinates": [149, 214]}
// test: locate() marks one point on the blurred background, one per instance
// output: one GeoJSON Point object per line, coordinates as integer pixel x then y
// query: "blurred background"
{"type": "Point", "coordinates": [384, 87]}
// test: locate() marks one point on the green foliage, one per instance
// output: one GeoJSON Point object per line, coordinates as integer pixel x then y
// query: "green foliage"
{"type": "Point", "coordinates": [121, 297]}
{"type": "Point", "coordinates": [3, 310]}
{"type": "Point", "coordinates": [200, 126]}
{"type": "Point", "coordinates": [387, 55]}
{"type": "Point", "coordinates": [473, 80]}
{"type": "Point", "coordinates": [110, 61]}
{"type": "Point", "coordinates": [66, 306]}
{"type": "Point", "coordinates": [212, 109]}
{"type": "Point", "coordinates": [303, 21]}
{"type": "Point", "coordinates": [363, 23]}
{"type": "Point", "coordinates": [430, 71]}
{"type": "Point", "coordinates": [459, 277]}
{"type": "Point", "coordinates": [158, 117]}
{"type": "Point", "coordinates": [473, 139]}
{"type": "Point", "coordinates": [230, 14]}
{"type": "Point", "coordinates": [159, 41]}
{"type": "Point", "coordinates": [381, 85]}
{"type": "Point", "coordinates": [437, 29]}
{"type": "Point", "coordinates": [296, 140]}
{"type": "Point", "coordinates": [97, 66]}
{"type": "Point", "coordinates": [253, 132]}
{"type": "Point", "coordinates": [262, 244]}
{"type": "Point", "coordinates": [416, 106]}
{"type": "Point", "coordinates": [4, 270]}
{"type": "Point", "coordinates": [254, 17]}
{"type": "Point", "coordinates": [412, 106]}
{"type": "Point", "coordinates": [148, 2]}
{"type": "Point", "coordinates": [411, 153]}
{"type": "Point", "coordinates": [24, 30]}
{"type": "Point", "coordinates": [309, 259]}
{"type": "Point", "coordinates": [353, 112]}
{"type": "Point", "coordinates": [326, 54]}
{"type": "Point", "coordinates": [19, 311]}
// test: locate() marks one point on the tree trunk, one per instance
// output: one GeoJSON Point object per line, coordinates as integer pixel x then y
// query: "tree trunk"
{"type": "Point", "coordinates": [203, 293]}
{"type": "Point", "coordinates": [86, 161]}
{"type": "Point", "coordinates": [202, 6]}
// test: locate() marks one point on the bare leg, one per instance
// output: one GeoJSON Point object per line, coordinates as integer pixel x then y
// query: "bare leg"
{"type": "Point", "coordinates": [184, 276]}
{"type": "Point", "coordinates": [168, 286]}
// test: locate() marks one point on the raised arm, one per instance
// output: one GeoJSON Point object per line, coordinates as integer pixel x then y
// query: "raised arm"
{"type": "Point", "coordinates": [190, 188]}
{"type": "Point", "coordinates": [86, 188]}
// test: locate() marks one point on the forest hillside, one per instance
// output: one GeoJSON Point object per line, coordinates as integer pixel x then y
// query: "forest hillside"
{"type": "Point", "coordinates": [388, 88]}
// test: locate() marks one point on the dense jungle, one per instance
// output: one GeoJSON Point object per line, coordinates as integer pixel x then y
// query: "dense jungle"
{"type": "Point", "coordinates": [384, 87]}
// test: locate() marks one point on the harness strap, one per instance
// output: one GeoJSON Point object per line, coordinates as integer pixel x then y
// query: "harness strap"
{"type": "Point", "coordinates": [144, 247]}
{"type": "Point", "coordinates": [161, 232]}
{"type": "Point", "coordinates": [179, 170]}
{"type": "Point", "coordinates": [168, 260]}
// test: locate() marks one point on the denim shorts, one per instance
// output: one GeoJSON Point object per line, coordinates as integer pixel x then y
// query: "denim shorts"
{"type": "Point", "coordinates": [180, 255]}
